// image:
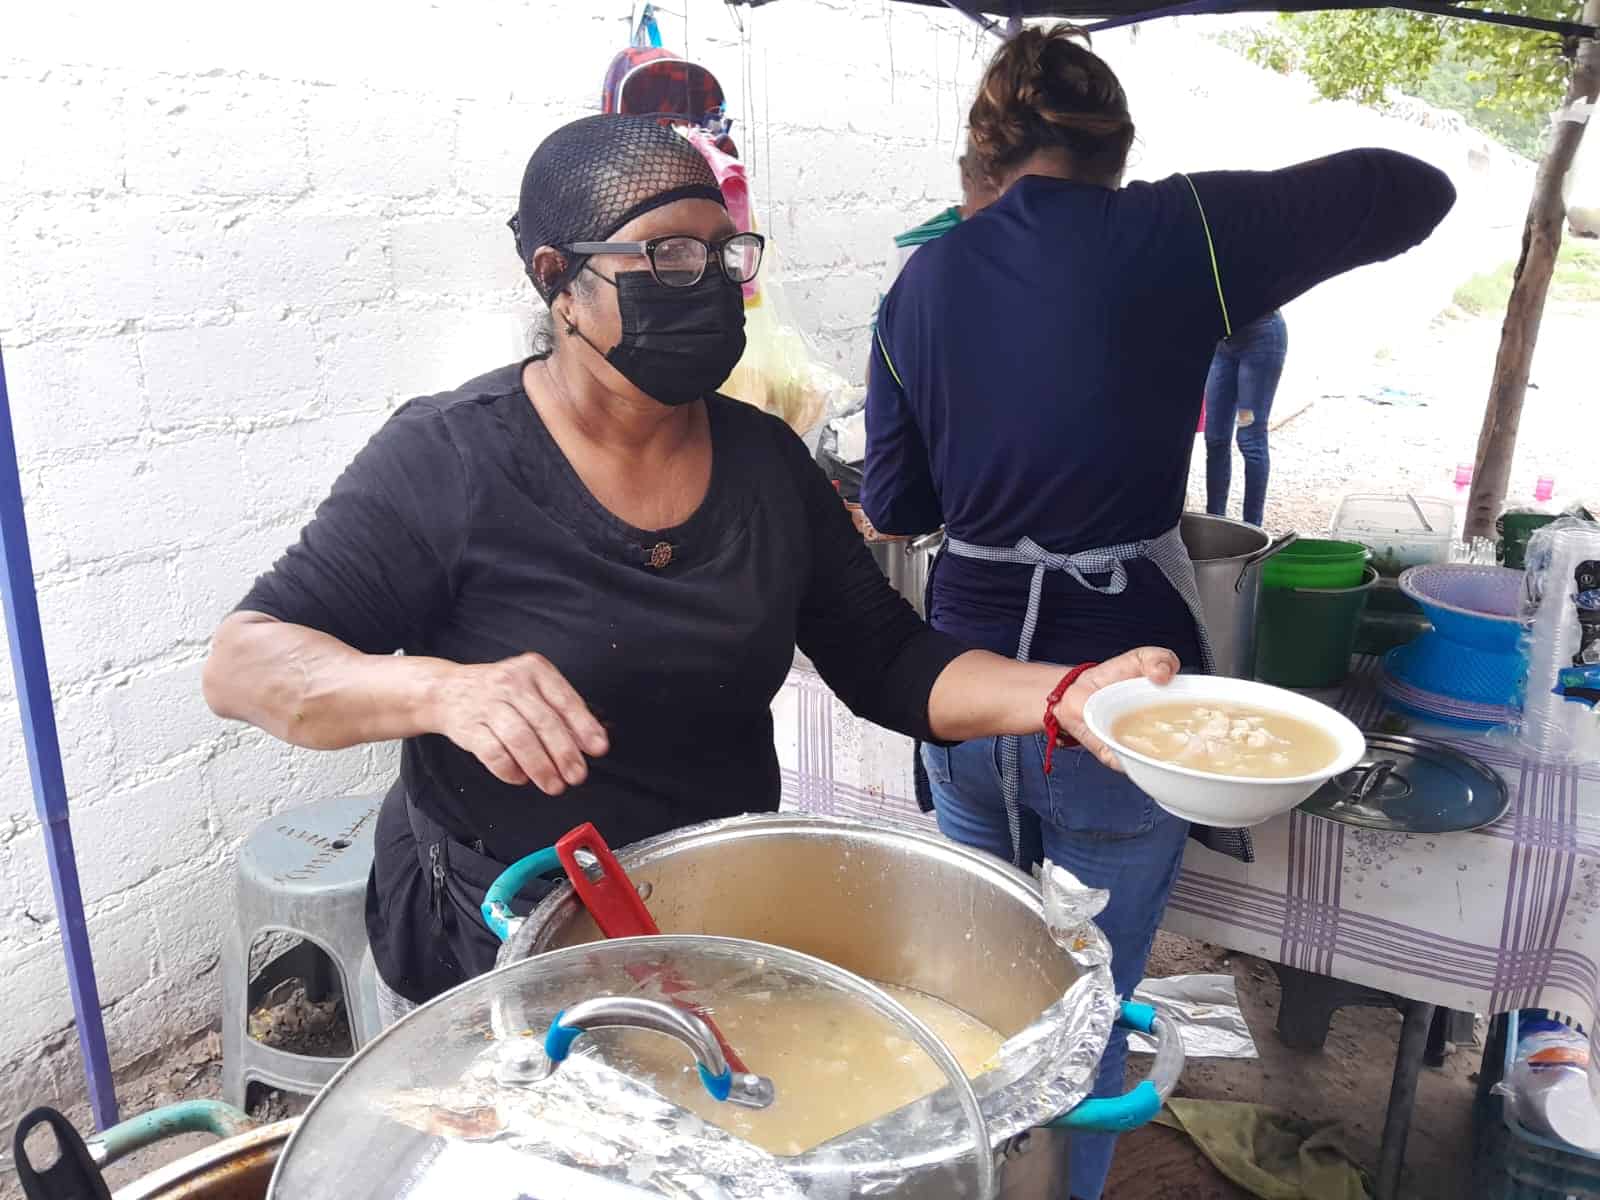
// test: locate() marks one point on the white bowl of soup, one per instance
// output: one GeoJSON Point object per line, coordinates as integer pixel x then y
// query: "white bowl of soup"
{"type": "Point", "coordinates": [1224, 752]}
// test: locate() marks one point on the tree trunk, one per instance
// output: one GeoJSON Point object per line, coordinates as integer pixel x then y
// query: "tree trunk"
{"type": "Point", "coordinates": [1541, 240]}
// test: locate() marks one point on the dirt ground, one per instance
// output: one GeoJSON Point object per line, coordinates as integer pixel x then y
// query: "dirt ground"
{"type": "Point", "coordinates": [1403, 419]}
{"type": "Point", "coordinates": [1348, 1082]}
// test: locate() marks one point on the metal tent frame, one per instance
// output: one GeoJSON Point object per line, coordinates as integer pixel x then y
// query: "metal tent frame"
{"type": "Point", "coordinates": [1109, 14]}
{"type": "Point", "coordinates": [44, 765]}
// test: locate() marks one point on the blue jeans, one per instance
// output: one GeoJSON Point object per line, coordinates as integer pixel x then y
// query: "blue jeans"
{"type": "Point", "coordinates": [1243, 380]}
{"type": "Point", "coordinates": [1095, 823]}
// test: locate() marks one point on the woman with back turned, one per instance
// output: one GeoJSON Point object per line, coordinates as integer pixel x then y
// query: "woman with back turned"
{"type": "Point", "coordinates": [1035, 384]}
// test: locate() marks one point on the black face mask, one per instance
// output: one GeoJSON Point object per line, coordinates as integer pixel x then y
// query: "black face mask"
{"type": "Point", "coordinates": [677, 343]}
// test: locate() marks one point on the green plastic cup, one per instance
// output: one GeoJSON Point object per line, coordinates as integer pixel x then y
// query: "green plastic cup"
{"type": "Point", "coordinates": [1316, 563]}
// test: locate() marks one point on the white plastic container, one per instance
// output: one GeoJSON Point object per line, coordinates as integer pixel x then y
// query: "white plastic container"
{"type": "Point", "coordinates": [1225, 801]}
{"type": "Point", "coordinates": [1546, 1085]}
{"type": "Point", "coordinates": [1394, 531]}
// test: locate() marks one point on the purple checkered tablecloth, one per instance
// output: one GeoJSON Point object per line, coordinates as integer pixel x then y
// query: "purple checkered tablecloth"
{"type": "Point", "coordinates": [1504, 917]}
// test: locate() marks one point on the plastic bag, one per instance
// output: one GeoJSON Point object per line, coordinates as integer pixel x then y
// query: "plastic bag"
{"type": "Point", "coordinates": [1204, 1008]}
{"type": "Point", "coordinates": [735, 191]}
{"type": "Point", "coordinates": [780, 372]}
{"type": "Point", "coordinates": [1558, 704]}
{"type": "Point", "coordinates": [1547, 1084]}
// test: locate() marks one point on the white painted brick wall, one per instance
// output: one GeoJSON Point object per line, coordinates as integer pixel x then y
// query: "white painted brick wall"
{"type": "Point", "coordinates": [231, 240]}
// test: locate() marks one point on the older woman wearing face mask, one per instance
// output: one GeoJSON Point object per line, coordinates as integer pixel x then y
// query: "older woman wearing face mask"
{"type": "Point", "coordinates": [597, 570]}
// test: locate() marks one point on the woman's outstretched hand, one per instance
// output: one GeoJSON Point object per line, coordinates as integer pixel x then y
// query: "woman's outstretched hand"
{"type": "Point", "coordinates": [1156, 665]}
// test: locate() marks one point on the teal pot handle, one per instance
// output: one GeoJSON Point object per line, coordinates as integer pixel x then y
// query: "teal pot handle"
{"type": "Point", "coordinates": [187, 1116]}
{"type": "Point", "coordinates": [1119, 1114]}
{"type": "Point", "coordinates": [496, 907]}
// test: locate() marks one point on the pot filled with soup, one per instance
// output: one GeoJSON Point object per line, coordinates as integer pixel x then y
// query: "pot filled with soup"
{"type": "Point", "coordinates": [600, 1071]}
{"type": "Point", "coordinates": [1223, 752]}
{"type": "Point", "coordinates": [974, 949]}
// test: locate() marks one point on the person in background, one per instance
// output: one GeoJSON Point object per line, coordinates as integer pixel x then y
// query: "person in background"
{"type": "Point", "coordinates": [1034, 389]}
{"type": "Point", "coordinates": [976, 193]}
{"type": "Point", "coordinates": [1244, 378]}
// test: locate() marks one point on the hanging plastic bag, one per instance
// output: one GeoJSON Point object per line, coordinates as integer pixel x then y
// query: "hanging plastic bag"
{"type": "Point", "coordinates": [735, 191]}
{"type": "Point", "coordinates": [645, 79]}
{"type": "Point", "coordinates": [781, 372]}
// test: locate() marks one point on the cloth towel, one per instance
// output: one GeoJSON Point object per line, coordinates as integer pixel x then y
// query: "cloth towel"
{"type": "Point", "coordinates": [1268, 1153]}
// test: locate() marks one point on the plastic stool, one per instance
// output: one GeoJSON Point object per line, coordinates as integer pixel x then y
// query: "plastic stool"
{"type": "Point", "coordinates": [300, 875]}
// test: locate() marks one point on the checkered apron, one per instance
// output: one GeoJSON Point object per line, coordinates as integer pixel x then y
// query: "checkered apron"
{"type": "Point", "coordinates": [1171, 558]}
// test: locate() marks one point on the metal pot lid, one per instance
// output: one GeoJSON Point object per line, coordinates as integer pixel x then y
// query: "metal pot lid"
{"type": "Point", "coordinates": [602, 1071]}
{"type": "Point", "coordinates": [1412, 785]}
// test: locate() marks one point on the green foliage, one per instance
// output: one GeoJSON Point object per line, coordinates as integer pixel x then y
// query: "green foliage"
{"type": "Point", "coordinates": [1456, 88]}
{"type": "Point", "coordinates": [1504, 81]}
{"type": "Point", "coordinates": [1576, 280]}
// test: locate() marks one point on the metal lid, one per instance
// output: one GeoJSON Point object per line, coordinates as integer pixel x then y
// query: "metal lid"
{"type": "Point", "coordinates": [551, 1078]}
{"type": "Point", "coordinates": [1412, 785]}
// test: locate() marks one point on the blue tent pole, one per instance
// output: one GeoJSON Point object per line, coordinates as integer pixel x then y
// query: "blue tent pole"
{"type": "Point", "coordinates": [44, 764]}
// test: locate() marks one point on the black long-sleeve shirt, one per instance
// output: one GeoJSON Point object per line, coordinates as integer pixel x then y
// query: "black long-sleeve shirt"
{"type": "Point", "coordinates": [1049, 357]}
{"type": "Point", "coordinates": [461, 531]}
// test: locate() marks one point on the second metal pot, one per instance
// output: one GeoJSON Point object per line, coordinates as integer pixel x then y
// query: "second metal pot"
{"type": "Point", "coordinates": [1227, 557]}
{"type": "Point", "coordinates": [908, 909]}
{"type": "Point", "coordinates": [907, 563]}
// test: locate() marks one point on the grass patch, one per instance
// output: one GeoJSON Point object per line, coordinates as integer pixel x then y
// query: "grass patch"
{"type": "Point", "coordinates": [1576, 280]}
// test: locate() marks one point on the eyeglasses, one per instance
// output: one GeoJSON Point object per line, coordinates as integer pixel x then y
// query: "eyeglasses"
{"type": "Point", "coordinates": [680, 261]}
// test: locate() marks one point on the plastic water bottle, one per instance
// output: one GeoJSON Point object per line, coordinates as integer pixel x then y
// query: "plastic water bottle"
{"type": "Point", "coordinates": [1463, 492]}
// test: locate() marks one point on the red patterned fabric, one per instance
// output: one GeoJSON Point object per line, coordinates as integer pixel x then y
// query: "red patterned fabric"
{"type": "Point", "coordinates": [644, 80]}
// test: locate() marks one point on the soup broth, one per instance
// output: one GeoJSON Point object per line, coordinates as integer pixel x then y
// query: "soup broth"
{"type": "Point", "coordinates": [1227, 739]}
{"type": "Point", "coordinates": [825, 1087]}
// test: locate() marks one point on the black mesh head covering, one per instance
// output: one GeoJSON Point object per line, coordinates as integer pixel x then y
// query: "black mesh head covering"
{"type": "Point", "coordinates": [590, 178]}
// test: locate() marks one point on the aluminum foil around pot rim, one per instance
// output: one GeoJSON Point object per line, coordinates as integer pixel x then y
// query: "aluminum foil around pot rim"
{"type": "Point", "coordinates": [1044, 1069]}
{"type": "Point", "coordinates": [432, 1098]}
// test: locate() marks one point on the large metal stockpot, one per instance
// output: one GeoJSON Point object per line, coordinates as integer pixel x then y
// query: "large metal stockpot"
{"type": "Point", "coordinates": [907, 564]}
{"type": "Point", "coordinates": [1227, 557]}
{"type": "Point", "coordinates": [237, 1167]}
{"type": "Point", "coordinates": [595, 1073]}
{"type": "Point", "coordinates": [907, 909]}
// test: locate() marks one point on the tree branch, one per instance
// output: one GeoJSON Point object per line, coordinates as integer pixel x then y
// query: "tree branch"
{"type": "Point", "coordinates": [1541, 242]}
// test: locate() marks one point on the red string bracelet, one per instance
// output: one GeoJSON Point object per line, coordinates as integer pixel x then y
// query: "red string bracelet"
{"type": "Point", "coordinates": [1053, 736]}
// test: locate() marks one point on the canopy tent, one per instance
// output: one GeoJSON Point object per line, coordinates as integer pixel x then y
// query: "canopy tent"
{"type": "Point", "coordinates": [1107, 14]}
{"type": "Point", "coordinates": [21, 603]}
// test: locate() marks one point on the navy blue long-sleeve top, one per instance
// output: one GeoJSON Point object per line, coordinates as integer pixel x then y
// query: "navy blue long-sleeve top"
{"type": "Point", "coordinates": [1041, 369]}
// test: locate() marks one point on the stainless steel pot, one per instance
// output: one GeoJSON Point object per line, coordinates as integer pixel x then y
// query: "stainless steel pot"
{"type": "Point", "coordinates": [906, 564]}
{"type": "Point", "coordinates": [237, 1167]}
{"type": "Point", "coordinates": [483, 1086]}
{"type": "Point", "coordinates": [1227, 557]}
{"type": "Point", "coordinates": [912, 910]}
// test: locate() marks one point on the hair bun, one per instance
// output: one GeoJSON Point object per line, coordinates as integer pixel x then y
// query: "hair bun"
{"type": "Point", "coordinates": [1046, 90]}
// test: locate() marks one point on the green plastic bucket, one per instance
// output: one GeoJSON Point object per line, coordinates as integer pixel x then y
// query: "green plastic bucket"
{"type": "Point", "coordinates": [1316, 563]}
{"type": "Point", "coordinates": [1305, 636]}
